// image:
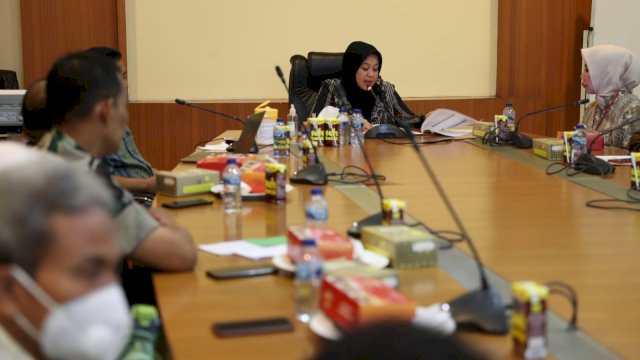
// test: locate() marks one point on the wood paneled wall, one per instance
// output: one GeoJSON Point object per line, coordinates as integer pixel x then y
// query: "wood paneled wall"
{"type": "Point", "coordinates": [166, 132]}
{"type": "Point", "coordinates": [539, 63]}
{"type": "Point", "coordinates": [51, 28]}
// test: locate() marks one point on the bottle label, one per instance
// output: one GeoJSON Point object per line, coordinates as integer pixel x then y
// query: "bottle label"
{"type": "Point", "coordinates": [304, 269]}
{"type": "Point", "coordinates": [316, 213]}
{"type": "Point", "coordinates": [231, 180]}
{"type": "Point", "coordinates": [309, 271]}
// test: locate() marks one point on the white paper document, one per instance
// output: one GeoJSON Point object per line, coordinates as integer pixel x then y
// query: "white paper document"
{"type": "Point", "coordinates": [448, 123]}
{"type": "Point", "coordinates": [616, 159]}
{"type": "Point", "coordinates": [244, 249]}
{"type": "Point", "coordinates": [220, 147]}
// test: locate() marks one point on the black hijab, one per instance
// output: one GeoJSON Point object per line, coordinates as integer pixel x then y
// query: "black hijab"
{"type": "Point", "coordinates": [353, 57]}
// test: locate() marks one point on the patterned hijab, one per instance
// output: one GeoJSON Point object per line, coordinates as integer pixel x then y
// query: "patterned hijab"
{"type": "Point", "coordinates": [354, 56]}
{"type": "Point", "coordinates": [611, 68]}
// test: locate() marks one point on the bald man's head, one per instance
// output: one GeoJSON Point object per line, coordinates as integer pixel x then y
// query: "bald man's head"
{"type": "Point", "coordinates": [34, 114]}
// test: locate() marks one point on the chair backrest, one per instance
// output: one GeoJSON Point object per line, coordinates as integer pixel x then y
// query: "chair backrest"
{"type": "Point", "coordinates": [8, 80]}
{"type": "Point", "coordinates": [306, 77]}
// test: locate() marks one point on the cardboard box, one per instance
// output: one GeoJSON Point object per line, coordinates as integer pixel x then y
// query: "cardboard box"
{"type": "Point", "coordinates": [405, 246]}
{"type": "Point", "coordinates": [353, 301]}
{"type": "Point", "coordinates": [252, 168]}
{"type": "Point", "coordinates": [480, 128]}
{"type": "Point", "coordinates": [331, 243]}
{"type": "Point", "coordinates": [186, 182]}
{"type": "Point", "coordinates": [549, 148]}
{"type": "Point", "coordinates": [218, 162]}
{"type": "Point", "coordinates": [340, 268]}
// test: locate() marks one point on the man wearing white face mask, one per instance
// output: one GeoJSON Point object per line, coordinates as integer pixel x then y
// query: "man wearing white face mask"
{"type": "Point", "coordinates": [59, 295]}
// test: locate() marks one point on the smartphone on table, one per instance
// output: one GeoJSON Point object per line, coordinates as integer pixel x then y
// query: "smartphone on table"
{"type": "Point", "coordinates": [252, 327]}
{"type": "Point", "coordinates": [186, 203]}
{"type": "Point", "coordinates": [235, 272]}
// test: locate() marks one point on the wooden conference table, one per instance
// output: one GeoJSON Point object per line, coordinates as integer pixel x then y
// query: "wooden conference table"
{"type": "Point", "coordinates": [526, 226]}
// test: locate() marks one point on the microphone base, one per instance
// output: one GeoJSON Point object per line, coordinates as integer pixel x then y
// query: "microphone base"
{"type": "Point", "coordinates": [356, 229]}
{"type": "Point", "coordinates": [385, 131]}
{"type": "Point", "coordinates": [482, 310]}
{"type": "Point", "coordinates": [520, 141]}
{"type": "Point", "coordinates": [313, 174]}
{"type": "Point", "coordinates": [592, 165]}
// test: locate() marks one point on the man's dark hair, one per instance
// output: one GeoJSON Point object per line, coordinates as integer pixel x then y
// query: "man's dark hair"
{"type": "Point", "coordinates": [105, 51]}
{"type": "Point", "coordinates": [77, 82]}
{"type": "Point", "coordinates": [35, 120]}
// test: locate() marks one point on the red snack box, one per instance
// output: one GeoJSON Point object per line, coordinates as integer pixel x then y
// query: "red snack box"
{"type": "Point", "coordinates": [251, 167]}
{"type": "Point", "coordinates": [353, 301]}
{"type": "Point", "coordinates": [219, 162]}
{"type": "Point", "coordinates": [252, 173]}
{"type": "Point", "coordinates": [599, 145]}
{"type": "Point", "coordinates": [331, 243]}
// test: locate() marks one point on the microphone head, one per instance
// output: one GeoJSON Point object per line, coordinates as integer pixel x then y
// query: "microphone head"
{"type": "Point", "coordinates": [583, 101]}
{"type": "Point", "coordinates": [181, 102]}
{"type": "Point", "coordinates": [279, 71]}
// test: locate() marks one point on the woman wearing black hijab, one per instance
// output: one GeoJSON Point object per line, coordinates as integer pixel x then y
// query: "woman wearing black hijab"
{"type": "Point", "coordinates": [361, 66]}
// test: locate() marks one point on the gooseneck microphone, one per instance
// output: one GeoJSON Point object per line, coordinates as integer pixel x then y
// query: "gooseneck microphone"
{"type": "Point", "coordinates": [342, 98]}
{"type": "Point", "coordinates": [483, 307]}
{"type": "Point", "coordinates": [375, 219]}
{"type": "Point", "coordinates": [231, 148]}
{"type": "Point", "coordinates": [281, 76]}
{"type": "Point", "coordinates": [186, 103]}
{"type": "Point", "coordinates": [524, 142]}
{"type": "Point", "coordinates": [383, 131]}
{"type": "Point", "coordinates": [589, 164]}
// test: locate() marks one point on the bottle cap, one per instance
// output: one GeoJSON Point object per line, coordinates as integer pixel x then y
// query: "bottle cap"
{"type": "Point", "coordinates": [309, 242]}
{"type": "Point", "coordinates": [357, 111]}
{"type": "Point", "coordinates": [232, 161]}
{"type": "Point", "coordinates": [580, 126]}
{"type": "Point", "coordinates": [316, 191]}
{"type": "Point", "coordinates": [280, 120]}
{"type": "Point", "coordinates": [509, 105]}
{"type": "Point", "coordinates": [342, 109]}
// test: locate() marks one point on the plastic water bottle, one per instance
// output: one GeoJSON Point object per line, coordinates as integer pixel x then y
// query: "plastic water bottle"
{"type": "Point", "coordinates": [142, 342]}
{"type": "Point", "coordinates": [292, 121]}
{"type": "Point", "coordinates": [280, 140]}
{"type": "Point", "coordinates": [316, 211]}
{"type": "Point", "coordinates": [301, 158]}
{"type": "Point", "coordinates": [510, 113]}
{"type": "Point", "coordinates": [357, 128]}
{"type": "Point", "coordinates": [307, 282]}
{"type": "Point", "coordinates": [231, 179]}
{"type": "Point", "coordinates": [343, 129]}
{"type": "Point", "coordinates": [578, 142]}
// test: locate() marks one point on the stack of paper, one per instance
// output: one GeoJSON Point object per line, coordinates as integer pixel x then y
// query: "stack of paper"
{"type": "Point", "coordinates": [255, 249]}
{"type": "Point", "coordinates": [448, 123]}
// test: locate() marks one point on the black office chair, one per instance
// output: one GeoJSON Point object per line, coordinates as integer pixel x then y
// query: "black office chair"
{"type": "Point", "coordinates": [306, 77]}
{"type": "Point", "coordinates": [8, 80]}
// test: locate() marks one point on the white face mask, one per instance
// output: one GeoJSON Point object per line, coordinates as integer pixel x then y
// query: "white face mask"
{"type": "Point", "coordinates": [95, 326]}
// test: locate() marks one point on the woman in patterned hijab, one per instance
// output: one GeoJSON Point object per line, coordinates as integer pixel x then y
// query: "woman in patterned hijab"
{"type": "Point", "coordinates": [611, 73]}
